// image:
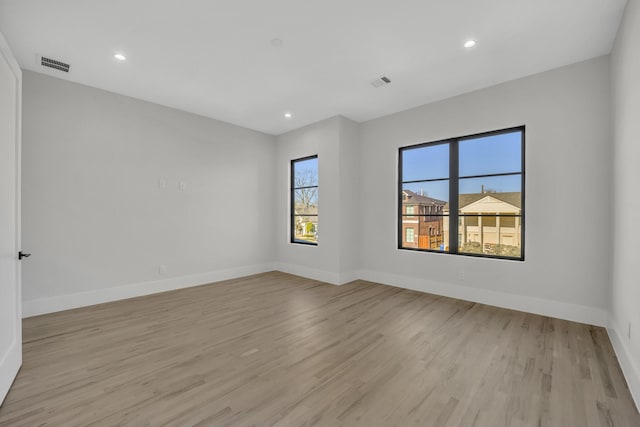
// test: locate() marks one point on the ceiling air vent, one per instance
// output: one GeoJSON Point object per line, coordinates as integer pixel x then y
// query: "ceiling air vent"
{"type": "Point", "coordinates": [52, 63]}
{"type": "Point", "coordinates": [381, 81]}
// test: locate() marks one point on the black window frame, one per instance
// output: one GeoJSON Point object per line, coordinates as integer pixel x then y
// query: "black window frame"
{"type": "Point", "coordinates": [292, 201]}
{"type": "Point", "coordinates": [454, 179]}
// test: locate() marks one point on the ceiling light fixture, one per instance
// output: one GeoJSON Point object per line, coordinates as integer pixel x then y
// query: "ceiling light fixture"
{"type": "Point", "coordinates": [287, 115]}
{"type": "Point", "coordinates": [469, 44]}
{"type": "Point", "coordinates": [119, 57]}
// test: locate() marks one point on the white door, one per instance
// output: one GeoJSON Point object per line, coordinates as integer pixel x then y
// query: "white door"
{"type": "Point", "coordinates": [10, 295]}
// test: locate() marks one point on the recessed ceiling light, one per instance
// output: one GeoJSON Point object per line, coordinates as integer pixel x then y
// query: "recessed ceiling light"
{"type": "Point", "coordinates": [277, 42]}
{"type": "Point", "coordinates": [119, 57]}
{"type": "Point", "coordinates": [469, 44]}
{"type": "Point", "coordinates": [287, 115]}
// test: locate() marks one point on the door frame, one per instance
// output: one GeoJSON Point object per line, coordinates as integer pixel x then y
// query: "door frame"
{"type": "Point", "coordinates": [13, 360]}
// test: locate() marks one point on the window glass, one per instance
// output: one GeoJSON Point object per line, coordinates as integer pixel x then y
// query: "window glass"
{"type": "Point", "coordinates": [501, 153]}
{"type": "Point", "coordinates": [304, 200]}
{"type": "Point", "coordinates": [425, 163]}
{"type": "Point", "coordinates": [488, 213]}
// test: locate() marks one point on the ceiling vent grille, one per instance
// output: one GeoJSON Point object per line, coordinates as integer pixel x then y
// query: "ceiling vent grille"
{"type": "Point", "coordinates": [52, 63]}
{"type": "Point", "coordinates": [381, 81]}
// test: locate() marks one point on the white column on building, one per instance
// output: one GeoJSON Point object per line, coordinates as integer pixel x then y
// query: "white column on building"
{"type": "Point", "coordinates": [463, 227]}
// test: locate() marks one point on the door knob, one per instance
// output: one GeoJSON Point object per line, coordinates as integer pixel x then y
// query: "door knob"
{"type": "Point", "coordinates": [23, 255]}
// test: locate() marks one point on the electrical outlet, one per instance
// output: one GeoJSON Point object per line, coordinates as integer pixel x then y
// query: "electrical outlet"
{"type": "Point", "coordinates": [182, 185]}
{"type": "Point", "coordinates": [162, 269]}
{"type": "Point", "coordinates": [162, 183]}
{"type": "Point", "coordinates": [461, 275]}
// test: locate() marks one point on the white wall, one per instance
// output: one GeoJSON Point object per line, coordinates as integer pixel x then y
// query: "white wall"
{"type": "Point", "coordinates": [95, 218]}
{"type": "Point", "coordinates": [350, 213]}
{"type": "Point", "coordinates": [335, 257]}
{"type": "Point", "coordinates": [625, 61]}
{"type": "Point", "coordinates": [568, 204]}
{"type": "Point", "coordinates": [97, 221]}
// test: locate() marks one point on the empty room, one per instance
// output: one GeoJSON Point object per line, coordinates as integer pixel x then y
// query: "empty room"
{"type": "Point", "coordinates": [304, 213]}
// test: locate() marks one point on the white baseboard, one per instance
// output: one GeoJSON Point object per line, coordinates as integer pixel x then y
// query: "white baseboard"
{"type": "Point", "coordinates": [576, 313]}
{"type": "Point", "coordinates": [99, 296]}
{"type": "Point", "coordinates": [349, 276]}
{"type": "Point", "coordinates": [557, 309]}
{"type": "Point", "coordinates": [315, 274]}
{"type": "Point", "coordinates": [629, 365]}
{"type": "Point", "coordinates": [560, 310]}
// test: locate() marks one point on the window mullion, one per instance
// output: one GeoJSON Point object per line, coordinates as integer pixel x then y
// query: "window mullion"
{"type": "Point", "coordinates": [453, 197]}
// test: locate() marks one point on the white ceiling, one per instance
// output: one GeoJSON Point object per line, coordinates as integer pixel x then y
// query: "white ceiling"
{"type": "Point", "coordinates": [215, 58]}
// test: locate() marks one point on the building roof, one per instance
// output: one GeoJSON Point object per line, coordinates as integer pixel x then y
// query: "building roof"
{"type": "Point", "coordinates": [303, 210]}
{"type": "Point", "coordinates": [415, 198]}
{"type": "Point", "coordinates": [512, 198]}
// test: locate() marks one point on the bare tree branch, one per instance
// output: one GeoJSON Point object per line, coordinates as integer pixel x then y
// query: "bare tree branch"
{"type": "Point", "coordinates": [306, 196]}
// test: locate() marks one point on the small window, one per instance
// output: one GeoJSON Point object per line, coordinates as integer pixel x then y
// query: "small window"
{"type": "Point", "coordinates": [410, 235]}
{"type": "Point", "coordinates": [304, 200]}
{"type": "Point", "coordinates": [472, 189]}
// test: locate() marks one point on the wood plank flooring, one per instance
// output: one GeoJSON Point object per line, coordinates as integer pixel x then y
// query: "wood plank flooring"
{"type": "Point", "coordinates": [277, 349]}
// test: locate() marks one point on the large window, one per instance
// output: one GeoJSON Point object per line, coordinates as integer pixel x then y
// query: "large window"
{"type": "Point", "coordinates": [304, 200]}
{"type": "Point", "coordinates": [464, 195]}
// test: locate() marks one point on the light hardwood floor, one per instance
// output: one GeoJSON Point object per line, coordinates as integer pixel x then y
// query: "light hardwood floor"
{"type": "Point", "coordinates": [276, 349]}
